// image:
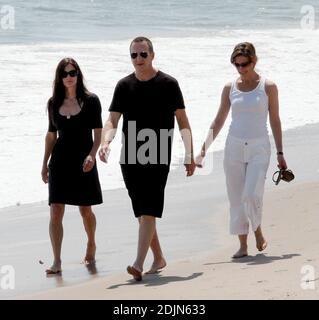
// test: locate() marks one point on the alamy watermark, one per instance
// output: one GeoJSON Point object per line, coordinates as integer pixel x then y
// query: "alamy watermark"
{"type": "Point", "coordinates": [7, 277]}
{"type": "Point", "coordinates": [7, 17]}
{"type": "Point", "coordinates": [148, 146]}
{"type": "Point", "coordinates": [308, 277]}
{"type": "Point", "coordinates": [308, 20]}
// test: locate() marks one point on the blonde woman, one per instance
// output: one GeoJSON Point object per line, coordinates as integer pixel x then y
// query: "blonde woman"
{"type": "Point", "coordinates": [251, 98]}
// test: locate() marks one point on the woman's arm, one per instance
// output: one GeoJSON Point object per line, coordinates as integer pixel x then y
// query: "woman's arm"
{"type": "Point", "coordinates": [275, 123]}
{"type": "Point", "coordinates": [96, 141]}
{"type": "Point", "coordinates": [50, 140]}
{"type": "Point", "coordinates": [217, 123]}
{"type": "Point", "coordinates": [90, 159]}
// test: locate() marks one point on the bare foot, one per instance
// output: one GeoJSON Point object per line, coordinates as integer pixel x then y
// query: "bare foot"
{"type": "Point", "coordinates": [55, 269]}
{"type": "Point", "coordinates": [90, 254]}
{"type": "Point", "coordinates": [261, 242]}
{"type": "Point", "coordinates": [137, 274]}
{"type": "Point", "coordinates": [157, 266]}
{"type": "Point", "coordinates": [242, 252]}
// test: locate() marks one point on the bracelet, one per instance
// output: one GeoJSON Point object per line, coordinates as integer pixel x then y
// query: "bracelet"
{"type": "Point", "coordinates": [280, 153]}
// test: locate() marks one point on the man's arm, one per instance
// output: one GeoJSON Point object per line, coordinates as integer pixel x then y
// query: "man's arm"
{"type": "Point", "coordinates": [108, 134]}
{"type": "Point", "coordinates": [186, 133]}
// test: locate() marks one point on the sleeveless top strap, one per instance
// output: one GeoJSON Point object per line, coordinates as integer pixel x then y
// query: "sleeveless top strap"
{"type": "Point", "coordinates": [263, 84]}
{"type": "Point", "coordinates": [233, 87]}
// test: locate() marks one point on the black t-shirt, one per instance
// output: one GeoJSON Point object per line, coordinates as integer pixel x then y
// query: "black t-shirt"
{"type": "Point", "coordinates": [148, 109]}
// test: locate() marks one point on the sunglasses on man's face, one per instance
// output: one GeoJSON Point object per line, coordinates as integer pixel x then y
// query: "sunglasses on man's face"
{"type": "Point", "coordinates": [142, 54]}
{"type": "Point", "coordinates": [72, 73]}
{"type": "Point", "coordinates": [243, 65]}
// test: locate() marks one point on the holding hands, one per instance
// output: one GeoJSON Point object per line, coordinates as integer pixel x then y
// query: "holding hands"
{"type": "Point", "coordinates": [199, 160]}
{"type": "Point", "coordinates": [190, 167]}
{"type": "Point", "coordinates": [104, 153]}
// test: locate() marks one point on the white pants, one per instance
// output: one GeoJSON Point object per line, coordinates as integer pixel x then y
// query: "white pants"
{"type": "Point", "coordinates": [246, 163]}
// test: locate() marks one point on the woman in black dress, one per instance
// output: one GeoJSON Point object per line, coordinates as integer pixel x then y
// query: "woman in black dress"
{"type": "Point", "coordinates": [71, 172]}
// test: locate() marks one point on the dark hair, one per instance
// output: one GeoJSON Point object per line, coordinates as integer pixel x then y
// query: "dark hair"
{"type": "Point", "coordinates": [141, 39]}
{"type": "Point", "coordinates": [245, 49]}
{"type": "Point", "coordinates": [58, 94]}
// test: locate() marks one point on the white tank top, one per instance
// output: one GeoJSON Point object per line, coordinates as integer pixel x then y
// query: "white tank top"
{"type": "Point", "coordinates": [249, 112]}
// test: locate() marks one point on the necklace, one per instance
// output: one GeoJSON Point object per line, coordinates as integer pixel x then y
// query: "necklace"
{"type": "Point", "coordinates": [70, 103]}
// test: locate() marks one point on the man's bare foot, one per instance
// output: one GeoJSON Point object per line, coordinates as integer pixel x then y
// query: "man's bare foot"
{"type": "Point", "coordinates": [90, 254]}
{"type": "Point", "coordinates": [133, 271]}
{"type": "Point", "coordinates": [242, 252]}
{"type": "Point", "coordinates": [55, 268]}
{"type": "Point", "coordinates": [157, 266]}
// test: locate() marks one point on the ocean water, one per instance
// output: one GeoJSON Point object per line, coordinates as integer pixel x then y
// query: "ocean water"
{"type": "Point", "coordinates": [83, 20]}
{"type": "Point", "coordinates": [193, 42]}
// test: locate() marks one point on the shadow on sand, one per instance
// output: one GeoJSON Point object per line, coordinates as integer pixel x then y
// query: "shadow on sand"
{"type": "Point", "coordinates": [259, 259]}
{"type": "Point", "coordinates": [150, 280]}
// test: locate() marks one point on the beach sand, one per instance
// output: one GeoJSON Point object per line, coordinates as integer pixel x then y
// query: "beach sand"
{"type": "Point", "coordinates": [291, 226]}
{"type": "Point", "coordinates": [195, 239]}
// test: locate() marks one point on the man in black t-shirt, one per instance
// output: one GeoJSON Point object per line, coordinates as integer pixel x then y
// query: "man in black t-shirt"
{"type": "Point", "coordinates": [149, 101]}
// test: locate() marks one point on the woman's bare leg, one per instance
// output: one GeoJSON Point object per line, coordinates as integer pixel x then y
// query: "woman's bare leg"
{"type": "Point", "coordinates": [56, 235]}
{"type": "Point", "coordinates": [89, 222]}
{"type": "Point", "coordinates": [243, 249]}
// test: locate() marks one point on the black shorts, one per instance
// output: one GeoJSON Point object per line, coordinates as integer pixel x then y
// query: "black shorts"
{"type": "Point", "coordinates": [146, 187]}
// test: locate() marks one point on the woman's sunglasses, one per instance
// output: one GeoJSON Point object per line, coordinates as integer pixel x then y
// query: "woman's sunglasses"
{"type": "Point", "coordinates": [142, 54]}
{"type": "Point", "coordinates": [243, 65]}
{"type": "Point", "coordinates": [72, 73]}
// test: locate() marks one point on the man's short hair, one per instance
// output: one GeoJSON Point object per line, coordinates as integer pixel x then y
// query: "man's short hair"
{"type": "Point", "coordinates": [141, 39]}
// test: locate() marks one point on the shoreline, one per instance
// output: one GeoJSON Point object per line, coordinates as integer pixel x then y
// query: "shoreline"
{"type": "Point", "coordinates": [174, 167]}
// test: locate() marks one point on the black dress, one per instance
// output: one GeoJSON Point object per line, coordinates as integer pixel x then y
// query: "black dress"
{"type": "Point", "coordinates": [68, 184]}
{"type": "Point", "coordinates": [147, 105]}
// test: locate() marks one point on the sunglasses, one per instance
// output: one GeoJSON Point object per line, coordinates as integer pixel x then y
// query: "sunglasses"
{"type": "Point", "coordinates": [243, 65]}
{"type": "Point", "coordinates": [72, 73]}
{"type": "Point", "coordinates": [142, 54]}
